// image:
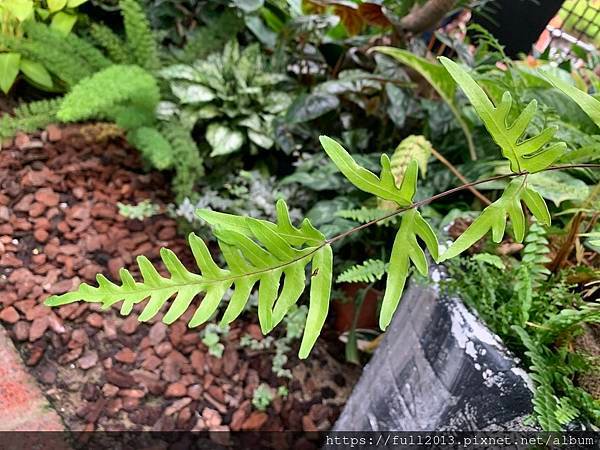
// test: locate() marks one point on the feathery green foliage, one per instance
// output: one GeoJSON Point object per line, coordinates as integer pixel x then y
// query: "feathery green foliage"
{"type": "Point", "coordinates": [368, 272]}
{"type": "Point", "coordinates": [186, 158]}
{"type": "Point", "coordinates": [29, 117]}
{"type": "Point", "coordinates": [366, 215]}
{"type": "Point", "coordinates": [112, 44]}
{"type": "Point", "coordinates": [140, 40]}
{"type": "Point", "coordinates": [126, 94]}
{"type": "Point", "coordinates": [545, 403]}
{"type": "Point", "coordinates": [69, 58]}
{"type": "Point", "coordinates": [153, 145]}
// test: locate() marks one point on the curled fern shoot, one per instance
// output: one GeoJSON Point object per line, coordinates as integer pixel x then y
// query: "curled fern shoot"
{"type": "Point", "coordinates": [257, 253]}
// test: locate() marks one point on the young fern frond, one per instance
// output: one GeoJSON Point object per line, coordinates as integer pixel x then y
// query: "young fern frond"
{"type": "Point", "coordinates": [257, 253]}
{"type": "Point", "coordinates": [368, 272]}
{"type": "Point", "coordinates": [29, 117]}
{"type": "Point", "coordinates": [532, 154]}
{"type": "Point", "coordinates": [140, 40]}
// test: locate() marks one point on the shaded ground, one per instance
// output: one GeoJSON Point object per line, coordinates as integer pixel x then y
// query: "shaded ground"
{"type": "Point", "coordinates": [59, 226]}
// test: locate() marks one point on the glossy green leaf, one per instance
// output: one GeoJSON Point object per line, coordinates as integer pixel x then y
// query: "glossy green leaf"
{"type": "Point", "coordinates": [439, 79]}
{"type": "Point", "coordinates": [559, 187]}
{"type": "Point", "coordinates": [56, 5]}
{"type": "Point", "coordinates": [63, 22]}
{"type": "Point", "coordinates": [21, 9]}
{"type": "Point", "coordinates": [9, 69]}
{"type": "Point", "coordinates": [36, 73]}
{"type": "Point", "coordinates": [589, 104]}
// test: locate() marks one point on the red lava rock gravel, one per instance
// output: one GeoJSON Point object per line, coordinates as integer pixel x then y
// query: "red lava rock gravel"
{"type": "Point", "coordinates": [59, 226]}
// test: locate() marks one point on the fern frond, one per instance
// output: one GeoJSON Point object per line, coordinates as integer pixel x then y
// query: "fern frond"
{"type": "Point", "coordinates": [153, 146]}
{"type": "Point", "coordinates": [111, 43]}
{"type": "Point", "coordinates": [494, 217]}
{"type": "Point", "coordinates": [262, 256]}
{"type": "Point", "coordinates": [187, 160]}
{"type": "Point", "coordinates": [413, 147]}
{"type": "Point", "coordinates": [117, 92]}
{"type": "Point", "coordinates": [406, 248]}
{"type": "Point", "coordinates": [545, 401]}
{"type": "Point", "coordinates": [535, 254]}
{"type": "Point", "coordinates": [568, 319]}
{"type": "Point", "coordinates": [365, 215]}
{"type": "Point", "coordinates": [140, 40]}
{"type": "Point", "coordinates": [29, 117]}
{"type": "Point", "coordinates": [532, 154]}
{"type": "Point", "coordinates": [368, 272]}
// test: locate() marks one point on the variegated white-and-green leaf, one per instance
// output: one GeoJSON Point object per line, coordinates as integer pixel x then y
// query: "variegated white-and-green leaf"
{"type": "Point", "coordinates": [259, 254]}
{"type": "Point", "coordinates": [533, 154]}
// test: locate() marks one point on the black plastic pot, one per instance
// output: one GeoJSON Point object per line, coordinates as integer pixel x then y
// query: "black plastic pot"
{"type": "Point", "coordinates": [517, 24]}
{"type": "Point", "coordinates": [438, 368]}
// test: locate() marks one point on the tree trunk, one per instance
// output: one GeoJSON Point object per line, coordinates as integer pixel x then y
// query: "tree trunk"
{"type": "Point", "coordinates": [426, 17]}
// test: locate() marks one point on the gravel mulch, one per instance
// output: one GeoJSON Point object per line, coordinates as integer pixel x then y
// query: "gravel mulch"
{"type": "Point", "coordinates": [59, 226]}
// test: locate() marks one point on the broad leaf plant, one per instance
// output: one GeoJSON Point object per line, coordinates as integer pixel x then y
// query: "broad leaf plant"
{"type": "Point", "coordinates": [275, 256]}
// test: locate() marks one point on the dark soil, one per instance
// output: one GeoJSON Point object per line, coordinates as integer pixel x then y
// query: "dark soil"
{"type": "Point", "coordinates": [59, 226]}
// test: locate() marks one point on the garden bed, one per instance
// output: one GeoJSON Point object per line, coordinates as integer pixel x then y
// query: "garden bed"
{"type": "Point", "coordinates": [59, 226]}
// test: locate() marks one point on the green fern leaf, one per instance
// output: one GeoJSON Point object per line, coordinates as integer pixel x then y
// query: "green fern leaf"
{"type": "Point", "coordinates": [413, 147]}
{"type": "Point", "coordinates": [545, 401]}
{"type": "Point", "coordinates": [186, 158]}
{"type": "Point", "coordinates": [368, 272]}
{"type": "Point", "coordinates": [260, 256]}
{"type": "Point", "coordinates": [532, 154]}
{"type": "Point", "coordinates": [140, 39]}
{"type": "Point", "coordinates": [495, 215]}
{"type": "Point", "coordinates": [111, 43]}
{"type": "Point", "coordinates": [29, 117]}
{"type": "Point", "coordinates": [383, 187]}
{"type": "Point", "coordinates": [406, 249]}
